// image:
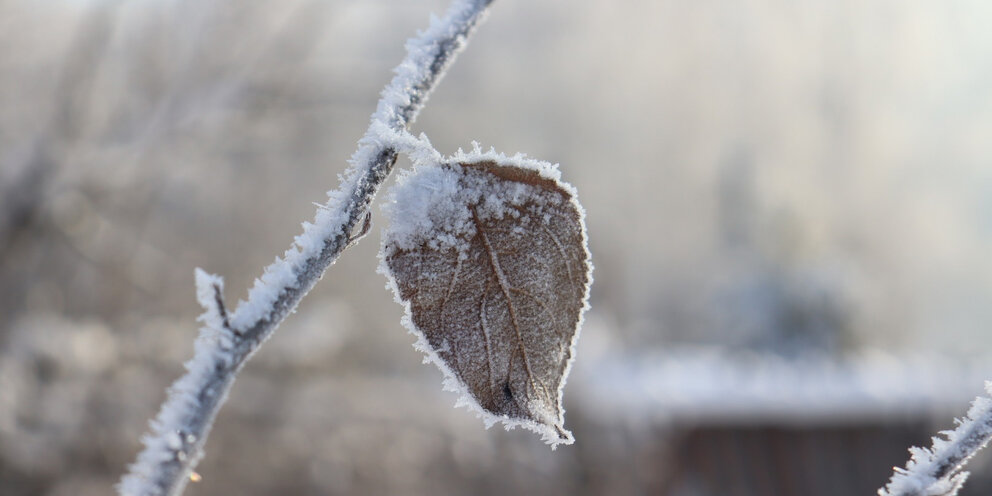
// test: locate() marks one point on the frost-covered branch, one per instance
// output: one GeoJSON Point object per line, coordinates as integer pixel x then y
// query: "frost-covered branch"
{"type": "Point", "coordinates": [179, 432]}
{"type": "Point", "coordinates": [937, 471]}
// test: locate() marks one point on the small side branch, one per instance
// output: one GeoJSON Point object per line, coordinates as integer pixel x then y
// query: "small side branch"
{"type": "Point", "coordinates": [210, 294]}
{"type": "Point", "coordinates": [937, 471]}
{"type": "Point", "coordinates": [179, 431]}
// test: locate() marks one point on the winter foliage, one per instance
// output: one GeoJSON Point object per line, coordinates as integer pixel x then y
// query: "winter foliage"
{"type": "Point", "coordinates": [488, 255]}
{"type": "Point", "coordinates": [431, 214]}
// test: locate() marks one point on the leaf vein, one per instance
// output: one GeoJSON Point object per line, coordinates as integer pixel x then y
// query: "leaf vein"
{"type": "Point", "coordinates": [505, 287]}
{"type": "Point", "coordinates": [564, 254]}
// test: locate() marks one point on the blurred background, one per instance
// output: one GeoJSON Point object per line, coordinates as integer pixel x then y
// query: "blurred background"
{"type": "Point", "coordinates": [789, 206]}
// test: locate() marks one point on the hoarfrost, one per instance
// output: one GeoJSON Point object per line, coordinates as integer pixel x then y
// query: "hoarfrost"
{"type": "Point", "coordinates": [488, 255]}
{"type": "Point", "coordinates": [937, 471]}
{"type": "Point", "coordinates": [170, 437]}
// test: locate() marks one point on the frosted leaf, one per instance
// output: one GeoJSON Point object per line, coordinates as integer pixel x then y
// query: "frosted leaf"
{"type": "Point", "coordinates": [490, 259]}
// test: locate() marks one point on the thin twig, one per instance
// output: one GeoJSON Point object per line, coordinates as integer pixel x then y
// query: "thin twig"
{"type": "Point", "coordinates": [937, 471]}
{"type": "Point", "coordinates": [179, 432]}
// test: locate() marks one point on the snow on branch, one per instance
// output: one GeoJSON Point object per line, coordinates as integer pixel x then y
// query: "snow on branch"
{"type": "Point", "coordinates": [179, 431]}
{"type": "Point", "coordinates": [936, 471]}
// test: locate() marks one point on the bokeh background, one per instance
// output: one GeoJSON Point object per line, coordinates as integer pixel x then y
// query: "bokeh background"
{"type": "Point", "coordinates": [789, 206]}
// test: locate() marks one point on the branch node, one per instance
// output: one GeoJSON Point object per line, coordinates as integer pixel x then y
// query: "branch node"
{"type": "Point", "coordinates": [210, 295]}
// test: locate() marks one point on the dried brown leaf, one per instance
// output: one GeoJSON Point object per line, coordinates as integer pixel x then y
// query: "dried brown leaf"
{"type": "Point", "coordinates": [491, 262]}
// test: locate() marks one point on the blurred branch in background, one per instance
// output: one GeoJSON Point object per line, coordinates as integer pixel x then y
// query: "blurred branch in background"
{"type": "Point", "coordinates": [29, 167]}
